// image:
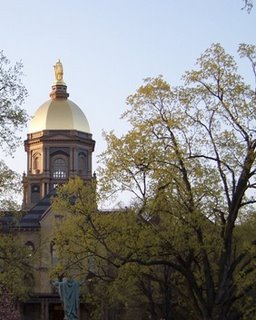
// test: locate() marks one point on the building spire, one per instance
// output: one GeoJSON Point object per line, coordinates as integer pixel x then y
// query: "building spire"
{"type": "Point", "coordinates": [59, 88]}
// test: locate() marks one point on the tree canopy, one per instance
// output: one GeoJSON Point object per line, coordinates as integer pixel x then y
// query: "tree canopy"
{"type": "Point", "coordinates": [7, 307]}
{"type": "Point", "coordinates": [15, 276]}
{"type": "Point", "coordinates": [12, 118]}
{"type": "Point", "coordinates": [189, 162]}
{"type": "Point", "coordinates": [12, 95]}
{"type": "Point", "coordinates": [248, 5]}
{"type": "Point", "coordinates": [10, 186]}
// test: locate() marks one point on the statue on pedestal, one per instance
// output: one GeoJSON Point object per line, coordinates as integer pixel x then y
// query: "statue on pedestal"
{"type": "Point", "coordinates": [58, 70]}
{"type": "Point", "coordinates": [69, 295]}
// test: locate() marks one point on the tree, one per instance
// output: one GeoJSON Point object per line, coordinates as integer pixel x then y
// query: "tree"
{"type": "Point", "coordinates": [15, 266]}
{"type": "Point", "coordinates": [7, 307]}
{"type": "Point", "coordinates": [248, 5]}
{"type": "Point", "coordinates": [10, 186]}
{"type": "Point", "coordinates": [12, 119]}
{"type": "Point", "coordinates": [14, 261]}
{"type": "Point", "coordinates": [12, 95]}
{"type": "Point", "coordinates": [95, 245]}
{"type": "Point", "coordinates": [189, 162]}
{"type": "Point", "coordinates": [245, 233]}
{"type": "Point", "coordinates": [191, 155]}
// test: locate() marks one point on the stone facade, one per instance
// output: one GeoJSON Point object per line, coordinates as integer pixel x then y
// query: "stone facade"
{"type": "Point", "coordinates": [53, 156]}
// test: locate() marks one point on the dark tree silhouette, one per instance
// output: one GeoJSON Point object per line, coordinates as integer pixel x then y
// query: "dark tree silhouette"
{"type": "Point", "coordinates": [7, 307]}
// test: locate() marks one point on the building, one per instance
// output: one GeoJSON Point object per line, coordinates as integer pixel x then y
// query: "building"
{"type": "Point", "coordinates": [59, 145]}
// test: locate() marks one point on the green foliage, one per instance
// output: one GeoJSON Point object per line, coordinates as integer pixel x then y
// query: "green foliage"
{"type": "Point", "coordinates": [15, 274]}
{"type": "Point", "coordinates": [15, 270]}
{"type": "Point", "coordinates": [12, 95]}
{"type": "Point", "coordinates": [10, 187]}
{"type": "Point", "coordinates": [192, 164]}
{"type": "Point", "coordinates": [12, 119]}
{"type": "Point", "coordinates": [189, 162]}
{"type": "Point", "coordinates": [78, 198]}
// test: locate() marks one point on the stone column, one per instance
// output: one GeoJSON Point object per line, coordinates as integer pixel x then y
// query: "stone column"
{"type": "Point", "coordinates": [44, 309]}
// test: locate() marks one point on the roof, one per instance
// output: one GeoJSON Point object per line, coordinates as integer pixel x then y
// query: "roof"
{"type": "Point", "coordinates": [59, 114]}
{"type": "Point", "coordinates": [32, 218]}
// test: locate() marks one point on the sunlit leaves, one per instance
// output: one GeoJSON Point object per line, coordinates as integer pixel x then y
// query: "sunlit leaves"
{"type": "Point", "coordinates": [193, 149]}
{"type": "Point", "coordinates": [10, 187]}
{"type": "Point", "coordinates": [189, 162]}
{"type": "Point", "coordinates": [12, 95]}
{"type": "Point", "coordinates": [15, 270]}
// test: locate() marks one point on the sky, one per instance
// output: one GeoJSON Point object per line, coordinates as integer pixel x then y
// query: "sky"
{"type": "Point", "coordinates": [108, 47]}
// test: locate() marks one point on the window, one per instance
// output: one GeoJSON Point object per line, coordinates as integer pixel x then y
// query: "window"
{"type": "Point", "coordinates": [82, 163]}
{"type": "Point", "coordinates": [54, 258]}
{"type": "Point", "coordinates": [59, 169]}
{"type": "Point", "coordinates": [36, 162]}
{"type": "Point", "coordinates": [31, 248]}
{"type": "Point", "coordinates": [59, 219]}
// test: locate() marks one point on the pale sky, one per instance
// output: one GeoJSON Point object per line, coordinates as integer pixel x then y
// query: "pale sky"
{"type": "Point", "coordinates": [107, 47]}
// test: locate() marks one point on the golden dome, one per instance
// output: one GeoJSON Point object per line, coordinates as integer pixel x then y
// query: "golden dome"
{"type": "Point", "coordinates": [59, 114]}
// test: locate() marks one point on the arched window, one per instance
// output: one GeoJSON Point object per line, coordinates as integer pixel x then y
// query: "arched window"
{"type": "Point", "coordinates": [31, 248]}
{"type": "Point", "coordinates": [82, 163]}
{"type": "Point", "coordinates": [29, 279]}
{"type": "Point", "coordinates": [54, 258]}
{"type": "Point", "coordinates": [36, 162]}
{"type": "Point", "coordinates": [59, 169]}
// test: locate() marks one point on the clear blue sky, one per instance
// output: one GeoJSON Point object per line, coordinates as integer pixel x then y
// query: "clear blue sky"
{"type": "Point", "coordinates": [108, 46]}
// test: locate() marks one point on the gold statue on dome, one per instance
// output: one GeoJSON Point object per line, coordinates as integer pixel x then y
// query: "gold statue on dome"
{"type": "Point", "coordinates": [58, 69]}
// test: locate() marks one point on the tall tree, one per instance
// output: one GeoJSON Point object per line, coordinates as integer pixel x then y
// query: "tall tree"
{"type": "Point", "coordinates": [14, 260]}
{"type": "Point", "coordinates": [15, 266]}
{"type": "Point", "coordinates": [10, 186]}
{"type": "Point", "coordinates": [191, 155]}
{"type": "Point", "coordinates": [189, 162]}
{"type": "Point", "coordinates": [12, 119]}
{"type": "Point", "coordinates": [12, 95]}
{"type": "Point", "coordinates": [7, 306]}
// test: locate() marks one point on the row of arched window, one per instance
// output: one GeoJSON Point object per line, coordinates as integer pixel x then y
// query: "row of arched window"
{"type": "Point", "coordinates": [59, 165]}
{"type": "Point", "coordinates": [54, 257]}
{"type": "Point", "coordinates": [53, 252]}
